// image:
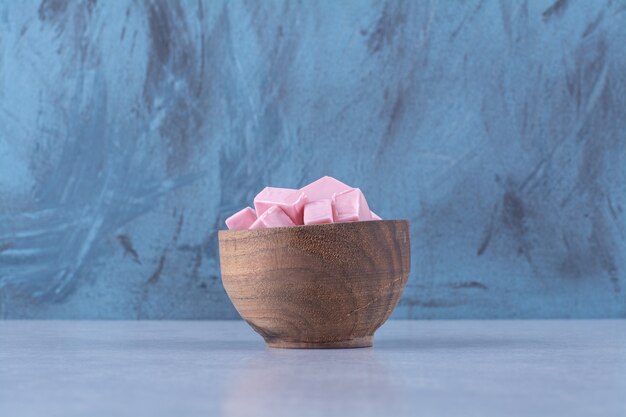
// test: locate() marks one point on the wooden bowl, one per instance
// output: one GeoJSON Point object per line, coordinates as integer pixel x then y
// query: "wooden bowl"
{"type": "Point", "coordinates": [318, 286]}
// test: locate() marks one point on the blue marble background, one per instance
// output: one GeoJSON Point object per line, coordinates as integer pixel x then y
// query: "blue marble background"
{"type": "Point", "coordinates": [130, 130]}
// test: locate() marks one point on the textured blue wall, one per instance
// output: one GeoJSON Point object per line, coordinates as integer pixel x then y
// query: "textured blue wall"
{"type": "Point", "coordinates": [130, 130]}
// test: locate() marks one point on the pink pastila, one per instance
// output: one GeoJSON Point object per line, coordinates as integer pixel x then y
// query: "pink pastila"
{"type": "Point", "coordinates": [291, 201]}
{"type": "Point", "coordinates": [272, 217]}
{"type": "Point", "coordinates": [318, 212]}
{"type": "Point", "coordinates": [324, 188]}
{"type": "Point", "coordinates": [351, 206]}
{"type": "Point", "coordinates": [241, 220]}
{"type": "Point", "coordinates": [326, 200]}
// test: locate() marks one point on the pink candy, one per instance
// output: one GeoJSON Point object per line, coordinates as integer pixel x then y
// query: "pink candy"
{"type": "Point", "coordinates": [318, 212]}
{"type": "Point", "coordinates": [291, 201]}
{"type": "Point", "coordinates": [272, 217]}
{"type": "Point", "coordinates": [350, 206]}
{"type": "Point", "coordinates": [324, 188]}
{"type": "Point", "coordinates": [326, 200]}
{"type": "Point", "coordinates": [241, 220]}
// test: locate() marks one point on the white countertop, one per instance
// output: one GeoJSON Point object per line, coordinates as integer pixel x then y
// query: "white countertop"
{"type": "Point", "coordinates": [214, 368]}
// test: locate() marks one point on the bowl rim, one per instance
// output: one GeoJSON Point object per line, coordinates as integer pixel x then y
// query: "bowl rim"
{"type": "Point", "coordinates": [270, 230]}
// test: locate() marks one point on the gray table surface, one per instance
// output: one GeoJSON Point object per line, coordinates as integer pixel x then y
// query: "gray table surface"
{"type": "Point", "coordinates": [417, 368]}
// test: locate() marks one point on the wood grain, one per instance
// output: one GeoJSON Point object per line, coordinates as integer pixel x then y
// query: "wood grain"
{"type": "Point", "coordinates": [320, 286]}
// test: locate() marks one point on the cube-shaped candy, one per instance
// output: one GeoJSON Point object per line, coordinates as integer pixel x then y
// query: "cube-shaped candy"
{"type": "Point", "coordinates": [351, 206]}
{"type": "Point", "coordinates": [291, 201]}
{"type": "Point", "coordinates": [241, 220]}
{"type": "Point", "coordinates": [318, 212]}
{"type": "Point", "coordinates": [324, 188]}
{"type": "Point", "coordinates": [272, 217]}
{"type": "Point", "coordinates": [375, 216]}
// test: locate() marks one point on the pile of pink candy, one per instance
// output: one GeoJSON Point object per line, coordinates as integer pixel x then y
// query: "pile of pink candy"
{"type": "Point", "coordinates": [326, 200]}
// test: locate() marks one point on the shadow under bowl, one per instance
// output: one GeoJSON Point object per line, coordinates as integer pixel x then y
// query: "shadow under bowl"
{"type": "Point", "coordinates": [317, 286]}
